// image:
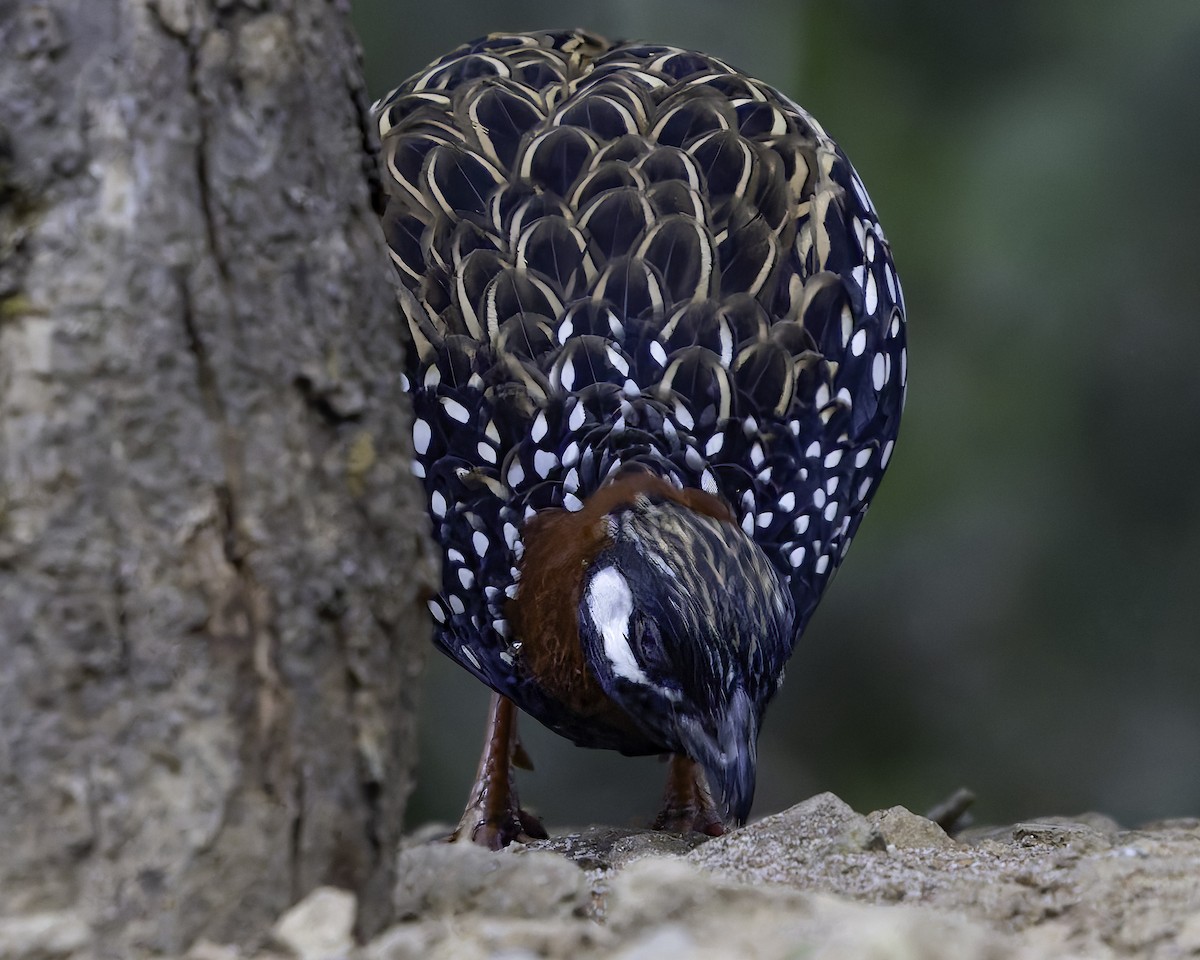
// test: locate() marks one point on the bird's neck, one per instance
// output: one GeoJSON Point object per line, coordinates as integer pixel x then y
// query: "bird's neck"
{"type": "Point", "coordinates": [560, 545]}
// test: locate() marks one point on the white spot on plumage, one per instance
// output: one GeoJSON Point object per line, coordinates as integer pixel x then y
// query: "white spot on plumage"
{"type": "Point", "coordinates": [422, 435]}
{"type": "Point", "coordinates": [822, 563]}
{"type": "Point", "coordinates": [511, 591]}
{"type": "Point", "coordinates": [456, 556]}
{"type": "Point", "coordinates": [405, 385]}
{"type": "Point", "coordinates": [756, 455]}
{"type": "Point", "coordinates": [572, 502]}
{"type": "Point", "coordinates": [543, 462]}
{"type": "Point", "coordinates": [566, 375]}
{"type": "Point", "coordinates": [904, 367]}
{"type": "Point", "coordinates": [831, 510]}
{"type": "Point", "coordinates": [617, 361]}
{"type": "Point", "coordinates": [683, 416]}
{"type": "Point", "coordinates": [511, 536]}
{"type": "Point", "coordinates": [456, 410]}
{"type": "Point", "coordinates": [859, 274]}
{"type": "Point", "coordinates": [418, 469]}
{"type": "Point", "coordinates": [439, 613]}
{"type": "Point", "coordinates": [813, 451]}
{"type": "Point", "coordinates": [708, 483]}
{"type": "Point", "coordinates": [437, 502]}
{"type": "Point", "coordinates": [871, 295]}
{"type": "Point", "coordinates": [847, 324]}
{"type": "Point", "coordinates": [859, 343]}
{"type": "Point", "coordinates": [831, 484]}
{"type": "Point", "coordinates": [860, 231]}
{"type": "Point", "coordinates": [538, 431]}
{"type": "Point", "coordinates": [693, 459]}
{"type": "Point", "coordinates": [764, 519]}
{"type": "Point", "coordinates": [887, 453]}
{"type": "Point", "coordinates": [610, 606]}
{"type": "Point", "coordinates": [801, 524]}
{"type": "Point", "coordinates": [466, 578]}
{"type": "Point", "coordinates": [576, 419]}
{"type": "Point", "coordinates": [456, 603]}
{"type": "Point", "coordinates": [491, 432]}
{"type": "Point", "coordinates": [657, 353]}
{"type": "Point", "coordinates": [516, 475]}
{"type": "Point", "coordinates": [861, 458]}
{"type": "Point", "coordinates": [571, 481]}
{"type": "Point", "coordinates": [479, 541]}
{"type": "Point", "coordinates": [486, 451]}
{"type": "Point", "coordinates": [715, 442]}
{"type": "Point", "coordinates": [878, 372]}
{"type": "Point", "coordinates": [571, 455]}
{"type": "Point", "coordinates": [748, 524]}
{"type": "Point", "coordinates": [833, 458]}
{"type": "Point", "coordinates": [864, 488]}
{"type": "Point", "coordinates": [796, 557]}
{"type": "Point", "coordinates": [470, 655]}
{"type": "Point", "coordinates": [787, 502]}
{"type": "Point", "coordinates": [821, 398]}
{"type": "Point", "coordinates": [819, 498]}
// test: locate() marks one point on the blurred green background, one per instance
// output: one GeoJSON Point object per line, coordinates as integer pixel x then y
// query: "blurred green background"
{"type": "Point", "coordinates": [1021, 612]}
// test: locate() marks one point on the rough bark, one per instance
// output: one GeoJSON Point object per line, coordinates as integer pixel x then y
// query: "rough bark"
{"type": "Point", "coordinates": [210, 545]}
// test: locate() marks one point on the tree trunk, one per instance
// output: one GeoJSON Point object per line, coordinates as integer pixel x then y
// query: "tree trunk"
{"type": "Point", "coordinates": [210, 543]}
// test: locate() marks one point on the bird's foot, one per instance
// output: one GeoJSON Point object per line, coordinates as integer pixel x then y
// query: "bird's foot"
{"type": "Point", "coordinates": [494, 817]}
{"type": "Point", "coordinates": [687, 802]}
{"type": "Point", "coordinates": [497, 828]}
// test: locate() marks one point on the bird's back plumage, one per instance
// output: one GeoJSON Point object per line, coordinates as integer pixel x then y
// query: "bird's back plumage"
{"type": "Point", "coordinates": [631, 255]}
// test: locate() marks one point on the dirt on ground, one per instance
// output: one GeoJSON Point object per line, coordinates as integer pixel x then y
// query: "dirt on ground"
{"type": "Point", "coordinates": [817, 881]}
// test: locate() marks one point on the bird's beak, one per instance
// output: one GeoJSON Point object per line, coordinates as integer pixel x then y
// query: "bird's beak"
{"type": "Point", "coordinates": [729, 755]}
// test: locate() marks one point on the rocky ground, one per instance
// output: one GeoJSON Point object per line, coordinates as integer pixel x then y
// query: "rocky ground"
{"type": "Point", "coordinates": [817, 881]}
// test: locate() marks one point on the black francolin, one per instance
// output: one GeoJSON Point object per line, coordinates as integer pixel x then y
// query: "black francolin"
{"type": "Point", "coordinates": [657, 365]}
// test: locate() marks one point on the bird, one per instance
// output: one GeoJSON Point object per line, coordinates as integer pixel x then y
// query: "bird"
{"type": "Point", "coordinates": [657, 362]}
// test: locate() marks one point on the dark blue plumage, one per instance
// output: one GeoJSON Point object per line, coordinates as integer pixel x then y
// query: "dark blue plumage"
{"type": "Point", "coordinates": [633, 257]}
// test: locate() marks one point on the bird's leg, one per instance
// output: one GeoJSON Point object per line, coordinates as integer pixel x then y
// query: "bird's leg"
{"type": "Point", "coordinates": [687, 801]}
{"type": "Point", "coordinates": [494, 818]}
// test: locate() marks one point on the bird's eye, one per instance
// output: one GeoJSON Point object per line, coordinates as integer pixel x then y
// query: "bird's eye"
{"type": "Point", "coordinates": [649, 645]}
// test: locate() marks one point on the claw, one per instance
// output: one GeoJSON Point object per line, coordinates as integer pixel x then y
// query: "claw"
{"type": "Point", "coordinates": [494, 817]}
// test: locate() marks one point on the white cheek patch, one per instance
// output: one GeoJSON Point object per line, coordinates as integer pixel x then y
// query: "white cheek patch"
{"type": "Point", "coordinates": [610, 605]}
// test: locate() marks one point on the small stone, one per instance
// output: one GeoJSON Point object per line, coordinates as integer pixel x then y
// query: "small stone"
{"type": "Point", "coordinates": [42, 936]}
{"type": "Point", "coordinates": [175, 16]}
{"type": "Point", "coordinates": [1188, 937]}
{"type": "Point", "coordinates": [319, 927]}
{"type": "Point", "coordinates": [456, 878]}
{"type": "Point", "coordinates": [207, 950]}
{"type": "Point", "coordinates": [903, 830]}
{"type": "Point", "coordinates": [39, 32]}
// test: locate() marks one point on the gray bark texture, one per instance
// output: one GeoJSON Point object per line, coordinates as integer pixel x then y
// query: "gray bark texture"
{"type": "Point", "coordinates": [211, 547]}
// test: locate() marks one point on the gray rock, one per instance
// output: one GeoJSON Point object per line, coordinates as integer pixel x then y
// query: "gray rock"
{"type": "Point", "coordinates": [319, 927]}
{"type": "Point", "coordinates": [42, 936]}
{"type": "Point", "coordinates": [608, 848]}
{"type": "Point", "coordinates": [902, 830]}
{"type": "Point", "coordinates": [459, 878]}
